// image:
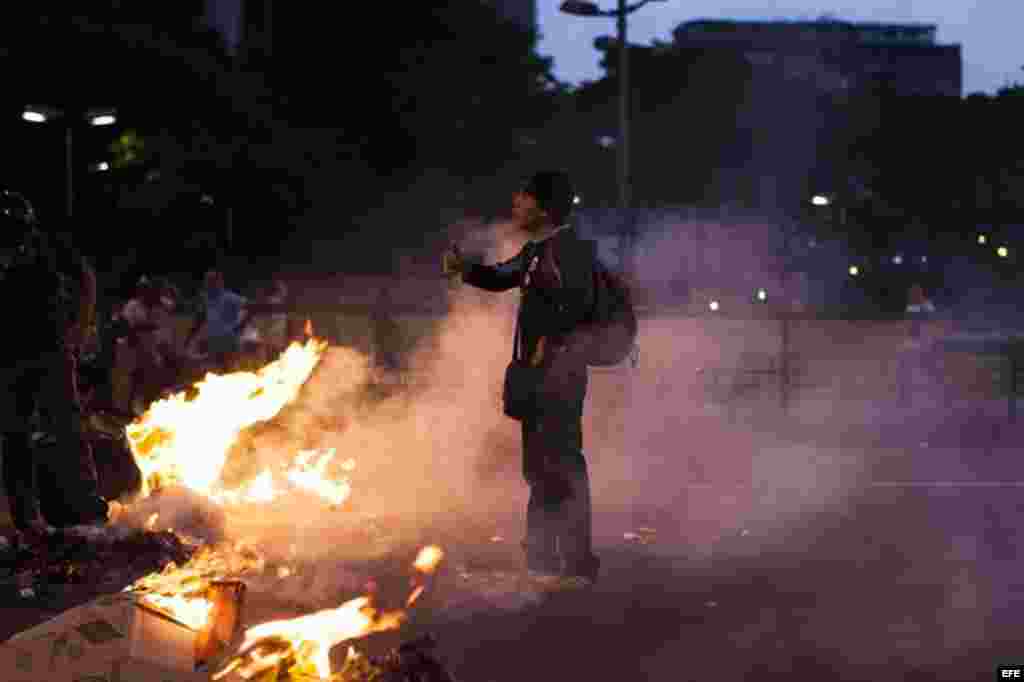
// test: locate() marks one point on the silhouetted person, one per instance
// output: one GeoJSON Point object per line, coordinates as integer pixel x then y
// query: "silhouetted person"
{"type": "Point", "coordinates": [52, 291]}
{"type": "Point", "coordinates": [555, 273]}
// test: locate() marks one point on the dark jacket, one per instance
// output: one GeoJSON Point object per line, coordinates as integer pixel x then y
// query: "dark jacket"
{"type": "Point", "coordinates": [52, 288]}
{"type": "Point", "coordinates": [557, 279]}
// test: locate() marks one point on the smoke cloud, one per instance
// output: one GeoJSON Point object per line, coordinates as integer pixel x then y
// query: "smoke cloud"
{"type": "Point", "coordinates": [716, 469]}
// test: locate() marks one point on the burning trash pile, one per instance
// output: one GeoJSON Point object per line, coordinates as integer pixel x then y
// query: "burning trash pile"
{"type": "Point", "coordinates": [181, 445]}
{"type": "Point", "coordinates": [298, 649]}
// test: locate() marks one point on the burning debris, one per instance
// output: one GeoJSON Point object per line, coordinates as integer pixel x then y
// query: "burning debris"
{"type": "Point", "coordinates": [299, 648]}
{"type": "Point", "coordinates": [186, 513]}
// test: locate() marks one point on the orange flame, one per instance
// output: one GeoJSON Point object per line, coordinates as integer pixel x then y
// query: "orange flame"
{"type": "Point", "coordinates": [309, 639]}
{"type": "Point", "coordinates": [414, 596]}
{"type": "Point", "coordinates": [186, 441]}
{"type": "Point", "coordinates": [428, 559]}
{"type": "Point", "coordinates": [309, 328]}
{"type": "Point", "coordinates": [313, 635]}
{"type": "Point", "coordinates": [190, 611]}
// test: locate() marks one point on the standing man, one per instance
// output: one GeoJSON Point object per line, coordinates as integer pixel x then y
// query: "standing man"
{"type": "Point", "coordinates": [554, 272]}
{"type": "Point", "coordinates": [224, 315]}
{"type": "Point", "coordinates": [53, 291]}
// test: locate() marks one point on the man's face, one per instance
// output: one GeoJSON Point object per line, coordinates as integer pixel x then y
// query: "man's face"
{"type": "Point", "coordinates": [527, 213]}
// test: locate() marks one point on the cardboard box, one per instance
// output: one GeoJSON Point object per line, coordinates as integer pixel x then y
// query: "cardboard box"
{"type": "Point", "coordinates": [116, 639]}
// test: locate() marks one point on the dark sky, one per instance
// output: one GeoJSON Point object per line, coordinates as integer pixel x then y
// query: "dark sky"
{"type": "Point", "coordinates": [988, 30]}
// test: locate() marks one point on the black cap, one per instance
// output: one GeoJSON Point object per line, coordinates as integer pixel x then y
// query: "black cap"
{"type": "Point", "coordinates": [553, 191]}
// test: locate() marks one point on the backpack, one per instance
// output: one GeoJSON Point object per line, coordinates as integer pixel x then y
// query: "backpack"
{"type": "Point", "coordinates": [612, 327]}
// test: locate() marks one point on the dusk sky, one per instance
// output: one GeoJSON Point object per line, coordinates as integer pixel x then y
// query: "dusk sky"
{"type": "Point", "coordinates": [988, 30]}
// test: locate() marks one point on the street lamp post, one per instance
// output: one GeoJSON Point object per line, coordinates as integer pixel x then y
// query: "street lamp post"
{"type": "Point", "coordinates": [589, 9]}
{"type": "Point", "coordinates": [94, 117]}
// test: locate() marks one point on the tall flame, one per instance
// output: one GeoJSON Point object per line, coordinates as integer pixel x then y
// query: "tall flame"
{"type": "Point", "coordinates": [186, 441]}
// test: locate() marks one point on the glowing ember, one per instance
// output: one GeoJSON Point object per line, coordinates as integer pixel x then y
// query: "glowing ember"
{"type": "Point", "coordinates": [414, 596]}
{"type": "Point", "coordinates": [190, 611]}
{"type": "Point", "coordinates": [186, 441]}
{"type": "Point", "coordinates": [428, 559]}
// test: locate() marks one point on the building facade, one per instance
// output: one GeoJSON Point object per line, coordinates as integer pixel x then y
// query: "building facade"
{"type": "Point", "coordinates": [837, 56]}
{"type": "Point", "coordinates": [804, 76]}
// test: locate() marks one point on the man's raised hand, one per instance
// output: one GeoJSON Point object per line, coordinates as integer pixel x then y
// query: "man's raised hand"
{"type": "Point", "coordinates": [452, 261]}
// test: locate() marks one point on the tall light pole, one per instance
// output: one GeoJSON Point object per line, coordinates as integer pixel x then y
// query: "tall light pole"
{"type": "Point", "coordinates": [94, 117]}
{"type": "Point", "coordinates": [588, 9]}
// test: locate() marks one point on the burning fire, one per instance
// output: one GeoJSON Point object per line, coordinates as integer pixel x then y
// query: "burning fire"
{"type": "Point", "coordinates": [180, 592]}
{"type": "Point", "coordinates": [186, 441]}
{"type": "Point", "coordinates": [428, 559]}
{"type": "Point", "coordinates": [307, 472]}
{"type": "Point", "coordinates": [308, 640]}
{"type": "Point", "coordinates": [193, 612]}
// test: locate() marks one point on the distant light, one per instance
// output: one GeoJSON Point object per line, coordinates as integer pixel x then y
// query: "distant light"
{"type": "Point", "coordinates": [102, 166]}
{"type": "Point", "coordinates": [924, 259]}
{"type": "Point", "coordinates": [854, 271]}
{"type": "Point", "coordinates": [897, 259]}
{"type": "Point", "coordinates": [982, 239]}
{"type": "Point", "coordinates": [34, 116]}
{"type": "Point", "coordinates": [713, 306]}
{"type": "Point", "coordinates": [103, 120]}
{"type": "Point", "coordinates": [820, 200]}
{"type": "Point", "coordinates": [577, 200]}
{"type": "Point", "coordinates": [606, 141]}
{"type": "Point", "coordinates": [813, 243]}
{"type": "Point", "coordinates": [1003, 252]}
{"type": "Point", "coordinates": [762, 294]}
{"type": "Point", "coordinates": [206, 200]}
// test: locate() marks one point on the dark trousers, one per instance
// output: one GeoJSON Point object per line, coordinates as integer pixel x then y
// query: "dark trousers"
{"type": "Point", "coordinates": [46, 384]}
{"type": "Point", "coordinates": [558, 514]}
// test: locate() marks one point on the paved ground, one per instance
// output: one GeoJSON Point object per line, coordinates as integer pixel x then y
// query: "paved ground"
{"type": "Point", "coordinates": [912, 574]}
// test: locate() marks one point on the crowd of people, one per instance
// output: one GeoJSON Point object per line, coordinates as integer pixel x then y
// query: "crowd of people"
{"type": "Point", "coordinates": [153, 356]}
{"type": "Point", "coordinates": [65, 365]}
